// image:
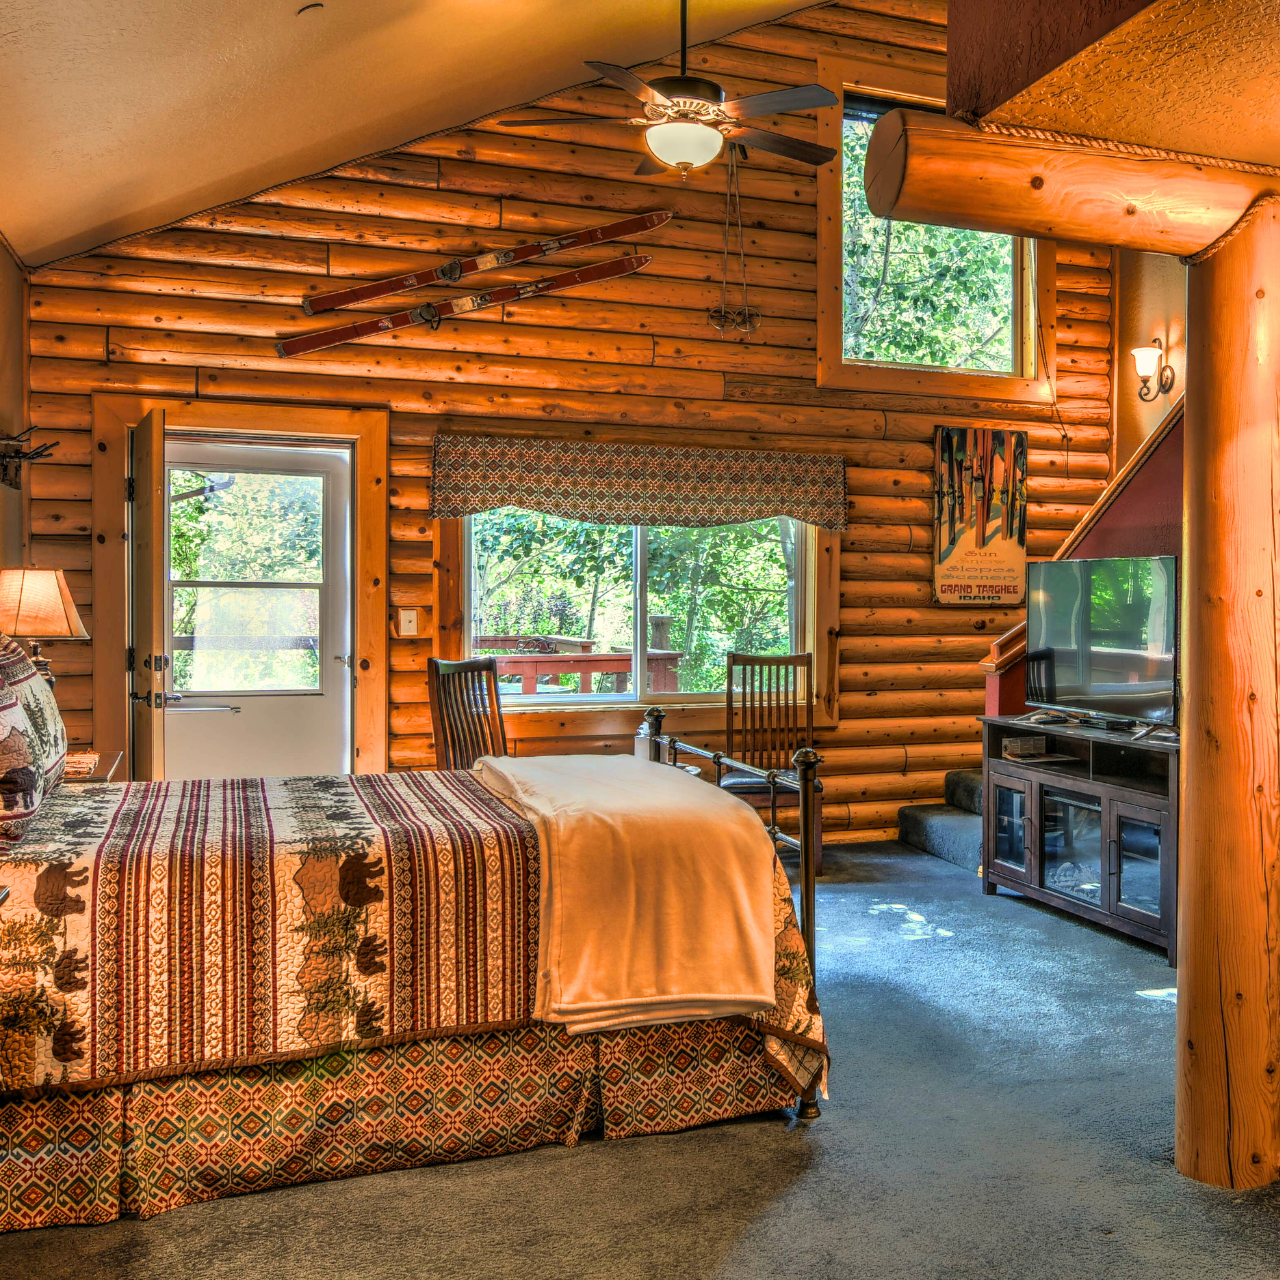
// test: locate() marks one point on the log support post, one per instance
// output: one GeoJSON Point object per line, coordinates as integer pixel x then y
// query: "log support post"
{"type": "Point", "coordinates": [1228, 1105]}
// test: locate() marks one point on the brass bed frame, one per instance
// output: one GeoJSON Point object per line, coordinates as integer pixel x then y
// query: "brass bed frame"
{"type": "Point", "coordinates": [665, 748]}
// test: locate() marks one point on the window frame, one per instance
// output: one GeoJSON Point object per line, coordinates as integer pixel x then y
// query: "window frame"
{"type": "Point", "coordinates": [1035, 284]}
{"type": "Point", "coordinates": [817, 611]}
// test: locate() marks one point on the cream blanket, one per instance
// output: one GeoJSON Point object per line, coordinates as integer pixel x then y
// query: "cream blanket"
{"type": "Point", "coordinates": [657, 892]}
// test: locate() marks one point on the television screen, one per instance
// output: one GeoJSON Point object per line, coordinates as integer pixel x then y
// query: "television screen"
{"type": "Point", "coordinates": [1102, 637]}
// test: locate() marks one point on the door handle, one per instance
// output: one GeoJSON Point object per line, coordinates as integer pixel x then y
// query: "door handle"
{"type": "Point", "coordinates": [158, 701]}
{"type": "Point", "coordinates": [186, 711]}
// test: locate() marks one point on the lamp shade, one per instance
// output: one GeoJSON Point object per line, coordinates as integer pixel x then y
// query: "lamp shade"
{"type": "Point", "coordinates": [1148, 360]}
{"type": "Point", "coordinates": [684, 144]}
{"type": "Point", "coordinates": [36, 603]}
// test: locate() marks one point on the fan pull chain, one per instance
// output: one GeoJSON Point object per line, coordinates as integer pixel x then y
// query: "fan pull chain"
{"type": "Point", "coordinates": [745, 319]}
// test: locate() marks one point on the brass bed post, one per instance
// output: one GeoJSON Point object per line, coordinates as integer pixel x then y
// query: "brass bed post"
{"type": "Point", "coordinates": [653, 719]}
{"type": "Point", "coordinates": [805, 762]}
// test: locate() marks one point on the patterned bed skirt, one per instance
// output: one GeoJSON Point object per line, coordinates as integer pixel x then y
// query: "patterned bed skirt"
{"type": "Point", "coordinates": [157, 1145]}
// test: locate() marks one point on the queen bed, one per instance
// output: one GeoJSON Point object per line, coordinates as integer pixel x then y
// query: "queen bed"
{"type": "Point", "coordinates": [210, 988]}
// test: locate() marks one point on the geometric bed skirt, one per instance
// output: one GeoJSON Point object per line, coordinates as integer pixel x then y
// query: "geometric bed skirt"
{"type": "Point", "coordinates": [156, 1145]}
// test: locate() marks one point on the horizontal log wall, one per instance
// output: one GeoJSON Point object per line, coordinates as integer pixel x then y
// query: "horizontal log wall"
{"type": "Point", "coordinates": [194, 310]}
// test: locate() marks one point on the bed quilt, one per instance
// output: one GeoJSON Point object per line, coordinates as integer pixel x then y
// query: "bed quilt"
{"type": "Point", "coordinates": [154, 930]}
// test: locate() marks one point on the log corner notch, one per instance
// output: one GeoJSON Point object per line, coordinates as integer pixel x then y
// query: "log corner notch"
{"type": "Point", "coordinates": [923, 168]}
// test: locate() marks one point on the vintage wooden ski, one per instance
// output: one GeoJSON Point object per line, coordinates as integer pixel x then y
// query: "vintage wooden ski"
{"type": "Point", "coordinates": [430, 314]}
{"type": "Point", "coordinates": [460, 268]}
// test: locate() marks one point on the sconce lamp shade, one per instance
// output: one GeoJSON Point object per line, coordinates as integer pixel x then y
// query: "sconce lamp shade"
{"type": "Point", "coordinates": [1148, 360]}
{"type": "Point", "coordinates": [37, 603]}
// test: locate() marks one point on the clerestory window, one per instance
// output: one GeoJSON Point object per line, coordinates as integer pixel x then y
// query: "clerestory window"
{"type": "Point", "coordinates": [922, 295]}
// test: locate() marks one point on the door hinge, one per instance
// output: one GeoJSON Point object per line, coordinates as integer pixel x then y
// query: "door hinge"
{"type": "Point", "coordinates": [128, 658]}
{"type": "Point", "coordinates": [128, 489]}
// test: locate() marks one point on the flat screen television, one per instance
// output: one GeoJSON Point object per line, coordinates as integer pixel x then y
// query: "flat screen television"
{"type": "Point", "coordinates": [1102, 638]}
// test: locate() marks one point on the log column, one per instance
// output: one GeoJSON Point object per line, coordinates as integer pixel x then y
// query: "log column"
{"type": "Point", "coordinates": [1228, 1106]}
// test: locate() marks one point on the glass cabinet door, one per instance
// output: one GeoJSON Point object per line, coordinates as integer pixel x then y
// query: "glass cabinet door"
{"type": "Point", "coordinates": [1071, 854]}
{"type": "Point", "coordinates": [1137, 863]}
{"type": "Point", "coordinates": [1009, 824]}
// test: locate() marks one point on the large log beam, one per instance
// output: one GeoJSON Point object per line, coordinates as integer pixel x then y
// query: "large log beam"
{"type": "Point", "coordinates": [1228, 1091]}
{"type": "Point", "coordinates": [922, 167]}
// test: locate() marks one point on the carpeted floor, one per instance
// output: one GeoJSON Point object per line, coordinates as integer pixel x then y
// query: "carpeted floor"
{"type": "Point", "coordinates": [1002, 1106]}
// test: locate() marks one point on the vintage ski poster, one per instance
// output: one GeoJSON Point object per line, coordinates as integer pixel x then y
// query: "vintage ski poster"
{"type": "Point", "coordinates": [980, 516]}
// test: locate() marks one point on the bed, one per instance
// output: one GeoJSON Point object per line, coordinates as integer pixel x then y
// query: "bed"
{"type": "Point", "coordinates": [211, 988]}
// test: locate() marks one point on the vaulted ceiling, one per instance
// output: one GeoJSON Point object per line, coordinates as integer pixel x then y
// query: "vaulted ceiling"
{"type": "Point", "coordinates": [122, 115]}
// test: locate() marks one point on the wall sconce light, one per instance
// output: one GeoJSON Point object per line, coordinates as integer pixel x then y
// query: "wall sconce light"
{"type": "Point", "coordinates": [1152, 364]}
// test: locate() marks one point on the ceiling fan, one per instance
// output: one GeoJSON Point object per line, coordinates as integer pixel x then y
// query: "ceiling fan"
{"type": "Point", "coordinates": [687, 121]}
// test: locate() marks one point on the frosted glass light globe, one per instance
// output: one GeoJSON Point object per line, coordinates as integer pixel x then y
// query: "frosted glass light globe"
{"type": "Point", "coordinates": [684, 144]}
{"type": "Point", "coordinates": [1148, 360]}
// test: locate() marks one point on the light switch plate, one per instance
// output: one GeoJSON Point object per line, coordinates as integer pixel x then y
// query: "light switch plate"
{"type": "Point", "coordinates": [408, 622]}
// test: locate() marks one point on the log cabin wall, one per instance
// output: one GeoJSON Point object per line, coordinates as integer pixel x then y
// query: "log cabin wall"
{"type": "Point", "coordinates": [193, 311]}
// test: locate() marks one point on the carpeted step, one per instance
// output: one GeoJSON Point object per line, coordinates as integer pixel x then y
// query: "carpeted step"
{"type": "Point", "coordinates": [963, 788]}
{"type": "Point", "coordinates": [943, 830]}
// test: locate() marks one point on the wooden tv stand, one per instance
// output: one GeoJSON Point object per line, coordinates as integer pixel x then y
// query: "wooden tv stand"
{"type": "Point", "coordinates": [1093, 832]}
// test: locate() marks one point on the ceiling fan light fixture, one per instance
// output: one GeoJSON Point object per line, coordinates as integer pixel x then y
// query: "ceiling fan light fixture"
{"type": "Point", "coordinates": [684, 144]}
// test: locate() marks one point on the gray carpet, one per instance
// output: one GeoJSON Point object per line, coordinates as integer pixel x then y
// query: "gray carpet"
{"type": "Point", "coordinates": [1002, 1106]}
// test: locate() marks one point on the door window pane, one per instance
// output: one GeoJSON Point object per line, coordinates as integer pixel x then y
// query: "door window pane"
{"type": "Point", "coordinates": [245, 526]}
{"type": "Point", "coordinates": [716, 591]}
{"type": "Point", "coordinates": [916, 294]}
{"type": "Point", "coordinates": [1073, 847]}
{"type": "Point", "coordinates": [245, 639]}
{"type": "Point", "coordinates": [1140, 865]}
{"type": "Point", "coordinates": [553, 601]}
{"type": "Point", "coordinates": [1010, 815]}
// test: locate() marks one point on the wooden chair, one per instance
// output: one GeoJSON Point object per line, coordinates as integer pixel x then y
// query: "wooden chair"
{"type": "Point", "coordinates": [466, 712]}
{"type": "Point", "coordinates": [768, 717]}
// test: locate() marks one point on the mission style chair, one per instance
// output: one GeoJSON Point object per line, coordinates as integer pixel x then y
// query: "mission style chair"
{"type": "Point", "coordinates": [768, 718]}
{"type": "Point", "coordinates": [466, 713]}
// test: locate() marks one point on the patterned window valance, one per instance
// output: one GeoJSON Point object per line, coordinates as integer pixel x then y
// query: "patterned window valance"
{"type": "Point", "coordinates": [635, 484]}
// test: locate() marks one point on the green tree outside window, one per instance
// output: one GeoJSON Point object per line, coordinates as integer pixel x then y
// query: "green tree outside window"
{"type": "Point", "coordinates": [915, 294]}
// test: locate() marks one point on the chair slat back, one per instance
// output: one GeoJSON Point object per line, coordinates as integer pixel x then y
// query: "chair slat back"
{"type": "Point", "coordinates": [466, 712]}
{"type": "Point", "coordinates": [772, 700]}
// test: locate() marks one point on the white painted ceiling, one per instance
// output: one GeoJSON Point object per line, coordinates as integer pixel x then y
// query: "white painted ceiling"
{"type": "Point", "coordinates": [121, 115]}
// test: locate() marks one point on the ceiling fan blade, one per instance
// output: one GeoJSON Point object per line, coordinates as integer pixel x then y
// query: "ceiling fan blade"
{"type": "Point", "coordinates": [780, 145]}
{"type": "Point", "coordinates": [650, 166]}
{"type": "Point", "coordinates": [549, 120]}
{"type": "Point", "coordinates": [801, 98]}
{"type": "Point", "coordinates": [631, 82]}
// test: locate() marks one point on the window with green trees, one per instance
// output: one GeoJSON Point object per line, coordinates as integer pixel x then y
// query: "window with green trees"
{"type": "Point", "coordinates": [246, 563]}
{"type": "Point", "coordinates": [561, 603]}
{"type": "Point", "coordinates": [921, 295]}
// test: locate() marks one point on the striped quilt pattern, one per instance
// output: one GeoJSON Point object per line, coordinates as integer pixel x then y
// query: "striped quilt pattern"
{"type": "Point", "coordinates": [159, 928]}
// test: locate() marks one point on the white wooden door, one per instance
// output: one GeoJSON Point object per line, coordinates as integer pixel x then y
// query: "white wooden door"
{"type": "Point", "coordinates": [258, 611]}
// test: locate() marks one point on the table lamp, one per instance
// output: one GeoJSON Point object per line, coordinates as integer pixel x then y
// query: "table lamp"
{"type": "Point", "coordinates": [35, 605]}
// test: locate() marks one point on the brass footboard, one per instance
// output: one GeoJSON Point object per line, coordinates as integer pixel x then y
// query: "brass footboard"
{"type": "Point", "coordinates": [666, 748]}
